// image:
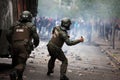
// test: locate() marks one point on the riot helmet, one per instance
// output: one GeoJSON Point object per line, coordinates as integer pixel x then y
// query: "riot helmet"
{"type": "Point", "coordinates": [65, 23]}
{"type": "Point", "coordinates": [26, 16]}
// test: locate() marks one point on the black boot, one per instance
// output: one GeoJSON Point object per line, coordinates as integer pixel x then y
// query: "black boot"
{"type": "Point", "coordinates": [49, 72]}
{"type": "Point", "coordinates": [20, 78]}
{"type": "Point", "coordinates": [64, 77]}
{"type": "Point", "coordinates": [13, 75]}
{"type": "Point", "coordinates": [20, 75]}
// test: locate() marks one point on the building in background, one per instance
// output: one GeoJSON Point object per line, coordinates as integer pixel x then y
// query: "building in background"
{"type": "Point", "coordinates": [9, 13]}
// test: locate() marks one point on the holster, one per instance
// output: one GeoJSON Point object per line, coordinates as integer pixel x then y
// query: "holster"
{"type": "Point", "coordinates": [29, 47]}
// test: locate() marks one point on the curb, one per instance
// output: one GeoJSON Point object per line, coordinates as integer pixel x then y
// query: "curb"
{"type": "Point", "coordinates": [111, 57]}
{"type": "Point", "coordinates": [117, 63]}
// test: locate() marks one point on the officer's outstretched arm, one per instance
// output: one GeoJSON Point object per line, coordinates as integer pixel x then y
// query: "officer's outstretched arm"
{"type": "Point", "coordinates": [68, 41]}
{"type": "Point", "coordinates": [72, 42]}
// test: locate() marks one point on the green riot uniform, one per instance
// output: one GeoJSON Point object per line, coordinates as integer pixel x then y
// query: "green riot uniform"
{"type": "Point", "coordinates": [20, 37]}
{"type": "Point", "coordinates": [59, 36]}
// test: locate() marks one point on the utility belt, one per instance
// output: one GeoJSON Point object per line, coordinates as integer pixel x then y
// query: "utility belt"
{"type": "Point", "coordinates": [56, 50]}
{"type": "Point", "coordinates": [18, 40]}
{"type": "Point", "coordinates": [52, 44]}
{"type": "Point", "coordinates": [22, 40]}
{"type": "Point", "coordinates": [28, 44]}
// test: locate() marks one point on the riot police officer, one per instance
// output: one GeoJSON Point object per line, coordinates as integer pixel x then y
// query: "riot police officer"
{"type": "Point", "coordinates": [59, 36]}
{"type": "Point", "coordinates": [22, 37]}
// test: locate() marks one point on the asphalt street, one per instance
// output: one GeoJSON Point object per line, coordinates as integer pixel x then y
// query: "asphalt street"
{"type": "Point", "coordinates": [86, 62]}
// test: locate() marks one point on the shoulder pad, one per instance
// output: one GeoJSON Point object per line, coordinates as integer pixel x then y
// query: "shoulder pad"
{"type": "Point", "coordinates": [16, 23]}
{"type": "Point", "coordinates": [29, 24]}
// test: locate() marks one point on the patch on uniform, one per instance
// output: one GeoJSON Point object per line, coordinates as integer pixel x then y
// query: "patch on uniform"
{"type": "Point", "coordinates": [19, 30]}
{"type": "Point", "coordinates": [56, 33]}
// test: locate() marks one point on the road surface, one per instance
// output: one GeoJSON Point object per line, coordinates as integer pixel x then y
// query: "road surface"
{"type": "Point", "coordinates": [86, 62]}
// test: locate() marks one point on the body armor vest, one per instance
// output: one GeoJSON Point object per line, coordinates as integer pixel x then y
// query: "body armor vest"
{"type": "Point", "coordinates": [21, 33]}
{"type": "Point", "coordinates": [56, 37]}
